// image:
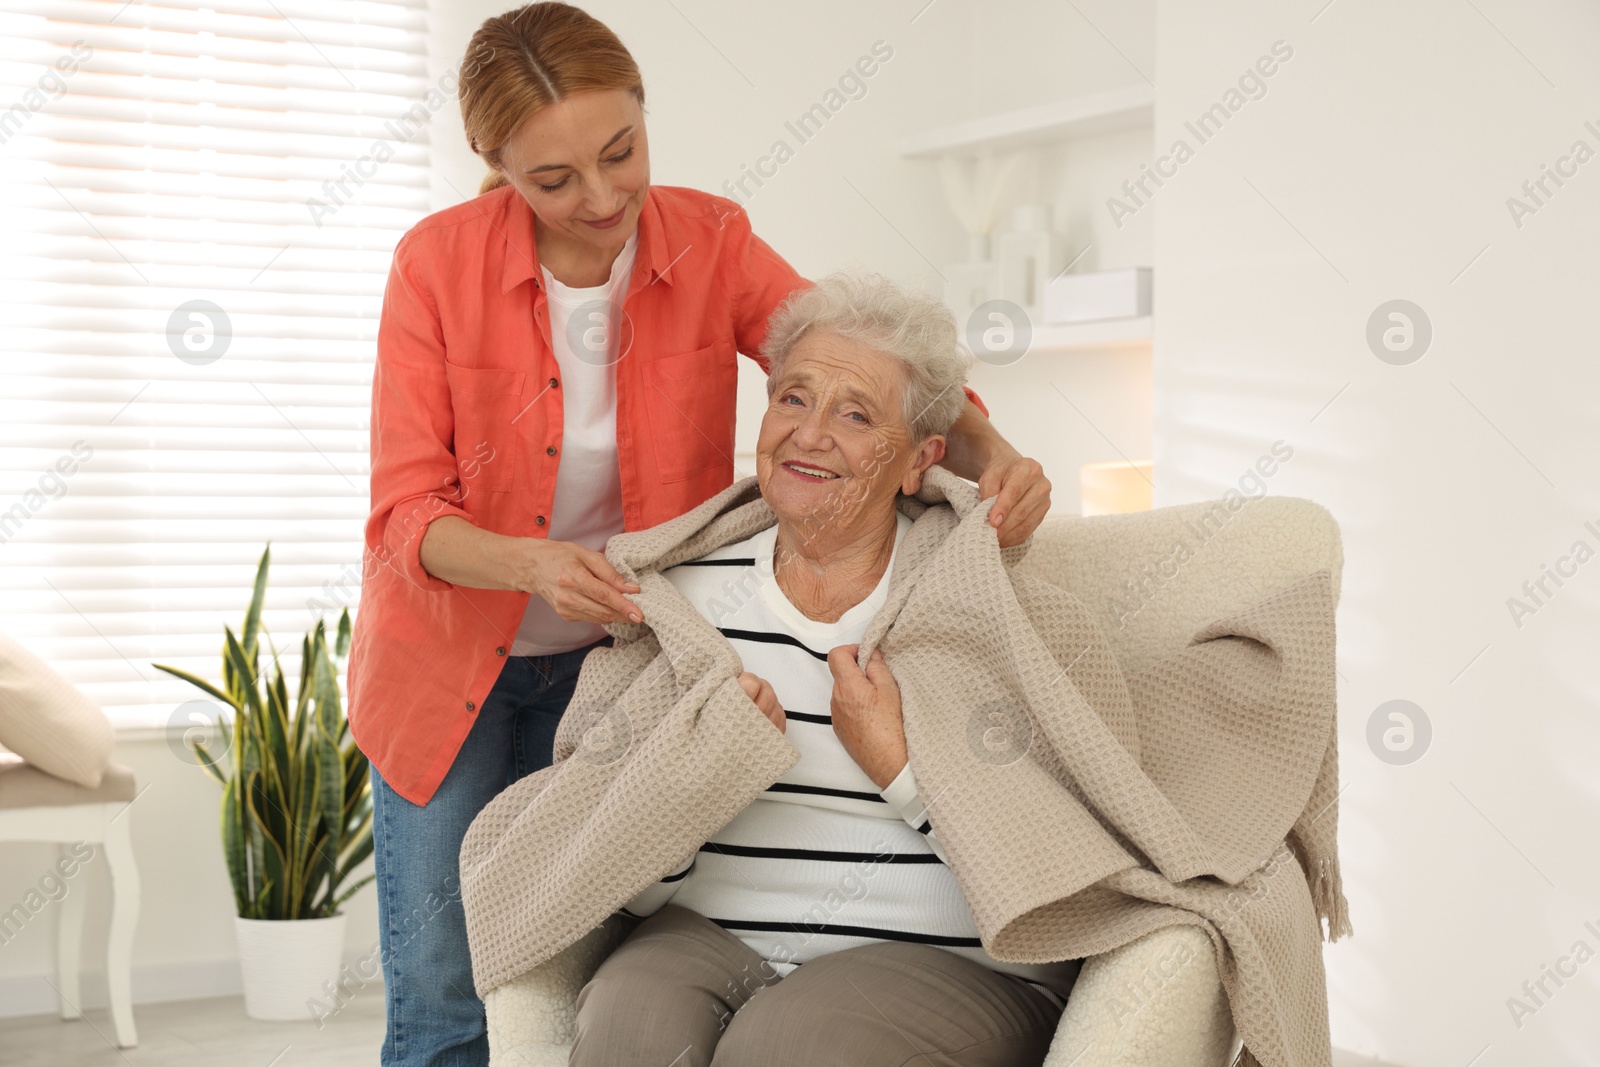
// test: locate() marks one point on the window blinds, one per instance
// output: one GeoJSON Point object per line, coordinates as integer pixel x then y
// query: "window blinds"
{"type": "Point", "coordinates": [198, 205]}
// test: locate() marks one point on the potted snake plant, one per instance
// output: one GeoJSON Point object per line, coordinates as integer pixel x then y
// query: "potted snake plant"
{"type": "Point", "coordinates": [296, 809]}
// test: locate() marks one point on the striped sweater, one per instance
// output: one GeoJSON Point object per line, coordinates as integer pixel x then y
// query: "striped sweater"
{"type": "Point", "coordinates": [823, 860]}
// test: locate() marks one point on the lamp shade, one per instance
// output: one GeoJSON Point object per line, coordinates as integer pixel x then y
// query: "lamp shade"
{"type": "Point", "coordinates": [1115, 488]}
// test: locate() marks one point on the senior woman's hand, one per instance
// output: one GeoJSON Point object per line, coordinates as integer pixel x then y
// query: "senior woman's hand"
{"type": "Point", "coordinates": [759, 690]}
{"type": "Point", "coordinates": [866, 713]}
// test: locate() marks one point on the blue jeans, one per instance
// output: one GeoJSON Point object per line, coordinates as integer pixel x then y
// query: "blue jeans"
{"type": "Point", "coordinates": [434, 1016]}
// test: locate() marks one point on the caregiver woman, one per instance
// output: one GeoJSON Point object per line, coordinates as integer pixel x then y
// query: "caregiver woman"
{"type": "Point", "coordinates": [518, 421]}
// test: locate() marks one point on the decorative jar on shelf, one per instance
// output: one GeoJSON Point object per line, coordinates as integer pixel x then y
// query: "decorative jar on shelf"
{"type": "Point", "coordinates": [975, 282]}
{"type": "Point", "coordinates": [1029, 256]}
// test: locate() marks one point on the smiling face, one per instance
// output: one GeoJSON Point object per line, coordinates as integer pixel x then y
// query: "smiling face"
{"type": "Point", "coordinates": [583, 165]}
{"type": "Point", "coordinates": [834, 448]}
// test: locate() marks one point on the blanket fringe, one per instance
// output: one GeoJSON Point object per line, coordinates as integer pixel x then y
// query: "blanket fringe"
{"type": "Point", "coordinates": [1327, 897]}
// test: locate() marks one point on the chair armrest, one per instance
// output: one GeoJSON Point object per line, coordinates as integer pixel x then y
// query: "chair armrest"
{"type": "Point", "coordinates": [1154, 1002]}
{"type": "Point", "coordinates": [531, 1017]}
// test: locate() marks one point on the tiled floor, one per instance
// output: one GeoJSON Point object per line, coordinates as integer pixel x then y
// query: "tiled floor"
{"type": "Point", "coordinates": [199, 1033]}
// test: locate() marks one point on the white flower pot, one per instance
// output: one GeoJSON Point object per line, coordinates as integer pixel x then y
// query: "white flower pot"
{"type": "Point", "coordinates": [285, 963]}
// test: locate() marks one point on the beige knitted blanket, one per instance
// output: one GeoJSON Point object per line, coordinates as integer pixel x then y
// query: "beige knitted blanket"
{"type": "Point", "coordinates": [1080, 809]}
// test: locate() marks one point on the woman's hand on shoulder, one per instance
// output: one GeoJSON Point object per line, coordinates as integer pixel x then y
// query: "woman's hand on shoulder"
{"type": "Point", "coordinates": [578, 582]}
{"type": "Point", "coordinates": [1024, 496]}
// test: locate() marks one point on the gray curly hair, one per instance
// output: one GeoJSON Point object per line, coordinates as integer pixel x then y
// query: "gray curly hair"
{"type": "Point", "coordinates": [911, 326]}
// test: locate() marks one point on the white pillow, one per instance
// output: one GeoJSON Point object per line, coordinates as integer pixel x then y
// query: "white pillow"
{"type": "Point", "coordinates": [48, 722]}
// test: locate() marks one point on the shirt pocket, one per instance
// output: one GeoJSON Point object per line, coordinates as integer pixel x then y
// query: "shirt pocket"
{"type": "Point", "coordinates": [691, 398]}
{"type": "Point", "coordinates": [485, 402]}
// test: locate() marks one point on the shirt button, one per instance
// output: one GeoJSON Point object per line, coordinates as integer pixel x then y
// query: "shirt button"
{"type": "Point", "coordinates": [554, 383]}
{"type": "Point", "coordinates": [471, 706]}
{"type": "Point", "coordinates": [500, 651]}
{"type": "Point", "coordinates": [550, 451]}
{"type": "Point", "coordinates": [539, 520]}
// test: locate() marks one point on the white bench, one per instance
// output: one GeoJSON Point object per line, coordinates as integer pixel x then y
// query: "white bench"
{"type": "Point", "coordinates": [35, 806]}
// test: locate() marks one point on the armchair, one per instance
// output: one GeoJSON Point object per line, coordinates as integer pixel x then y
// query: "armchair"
{"type": "Point", "coordinates": [1130, 1006]}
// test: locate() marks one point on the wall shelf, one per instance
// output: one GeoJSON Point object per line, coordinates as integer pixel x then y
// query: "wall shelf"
{"type": "Point", "coordinates": [1126, 108]}
{"type": "Point", "coordinates": [1109, 333]}
{"type": "Point", "coordinates": [1081, 336]}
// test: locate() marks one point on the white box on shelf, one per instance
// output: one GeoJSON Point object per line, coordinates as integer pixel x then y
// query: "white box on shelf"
{"type": "Point", "coordinates": [1097, 295]}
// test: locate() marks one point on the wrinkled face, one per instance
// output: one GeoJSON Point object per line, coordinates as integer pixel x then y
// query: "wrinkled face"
{"type": "Point", "coordinates": [834, 448]}
{"type": "Point", "coordinates": [583, 165]}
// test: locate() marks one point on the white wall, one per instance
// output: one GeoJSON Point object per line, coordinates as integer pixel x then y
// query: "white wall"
{"type": "Point", "coordinates": [1377, 167]}
{"type": "Point", "coordinates": [953, 60]}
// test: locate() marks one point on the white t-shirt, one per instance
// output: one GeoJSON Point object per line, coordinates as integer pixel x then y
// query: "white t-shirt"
{"type": "Point", "coordinates": [587, 508]}
{"type": "Point", "coordinates": [823, 860]}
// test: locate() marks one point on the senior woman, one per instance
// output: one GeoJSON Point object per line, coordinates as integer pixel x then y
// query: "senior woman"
{"type": "Point", "coordinates": [766, 947]}
{"type": "Point", "coordinates": [556, 364]}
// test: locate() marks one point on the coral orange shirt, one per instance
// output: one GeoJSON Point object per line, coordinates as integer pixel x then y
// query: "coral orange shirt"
{"type": "Point", "coordinates": [467, 420]}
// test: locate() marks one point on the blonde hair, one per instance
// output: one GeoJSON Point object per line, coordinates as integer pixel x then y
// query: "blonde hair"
{"type": "Point", "coordinates": [525, 60]}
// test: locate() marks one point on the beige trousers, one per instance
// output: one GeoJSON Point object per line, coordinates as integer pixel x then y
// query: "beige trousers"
{"type": "Point", "coordinates": [680, 991]}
